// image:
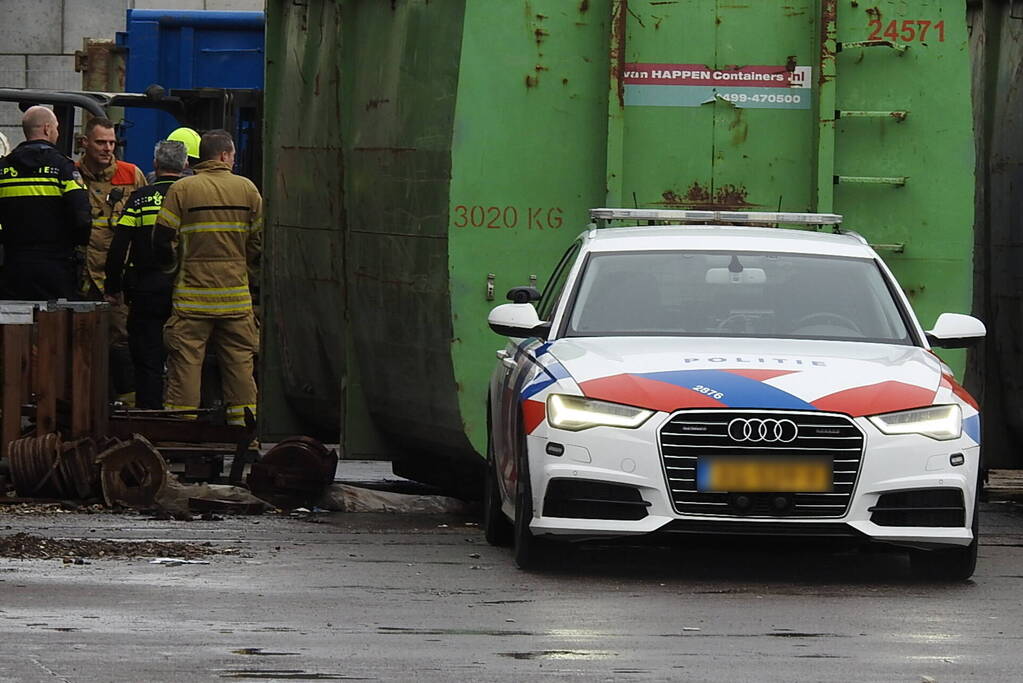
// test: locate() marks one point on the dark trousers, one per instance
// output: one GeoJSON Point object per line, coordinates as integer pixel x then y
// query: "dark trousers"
{"type": "Point", "coordinates": [36, 278]}
{"type": "Point", "coordinates": [145, 342]}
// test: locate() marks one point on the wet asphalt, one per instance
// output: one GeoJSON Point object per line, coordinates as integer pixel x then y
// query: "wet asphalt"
{"type": "Point", "coordinates": [391, 597]}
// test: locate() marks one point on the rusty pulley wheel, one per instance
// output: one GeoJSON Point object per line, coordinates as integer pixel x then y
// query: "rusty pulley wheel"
{"type": "Point", "coordinates": [132, 473]}
{"type": "Point", "coordinates": [294, 473]}
{"type": "Point", "coordinates": [35, 462]}
{"type": "Point", "coordinates": [46, 467]}
{"type": "Point", "coordinates": [78, 469]}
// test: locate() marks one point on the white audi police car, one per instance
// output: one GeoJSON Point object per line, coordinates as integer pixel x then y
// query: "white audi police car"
{"type": "Point", "coordinates": [729, 379]}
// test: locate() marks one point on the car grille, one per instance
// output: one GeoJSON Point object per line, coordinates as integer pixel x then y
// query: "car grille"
{"type": "Point", "coordinates": [690, 435]}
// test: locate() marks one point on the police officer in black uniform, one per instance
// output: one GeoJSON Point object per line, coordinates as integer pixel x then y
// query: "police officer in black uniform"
{"type": "Point", "coordinates": [44, 214]}
{"type": "Point", "coordinates": [132, 271]}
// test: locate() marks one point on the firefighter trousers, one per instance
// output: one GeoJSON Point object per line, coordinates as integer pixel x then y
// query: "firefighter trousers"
{"type": "Point", "coordinates": [145, 340]}
{"type": "Point", "coordinates": [235, 342]}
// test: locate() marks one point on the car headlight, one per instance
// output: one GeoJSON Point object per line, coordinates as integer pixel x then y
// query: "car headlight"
{"type": "Point", "coordinates": [575, 413]}
{"type": "Point", "coordinates": [938, 422]}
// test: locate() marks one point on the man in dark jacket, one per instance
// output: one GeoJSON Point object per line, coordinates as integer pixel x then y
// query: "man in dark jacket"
{"type": "Point", "coordinates": [133, 272]}
{"type": "Point", "coordinates": [44, 214]}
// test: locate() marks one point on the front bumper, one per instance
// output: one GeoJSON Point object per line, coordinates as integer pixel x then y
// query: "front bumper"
{"type": "Point", "coordinates": [631, 458]}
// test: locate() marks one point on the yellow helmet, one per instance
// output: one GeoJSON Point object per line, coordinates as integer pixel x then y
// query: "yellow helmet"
{"type": "Point", "coordinates": [189, 138]}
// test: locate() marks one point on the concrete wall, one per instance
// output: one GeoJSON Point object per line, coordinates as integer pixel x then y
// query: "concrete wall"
{"type": "Point", "coordinates": [38, 39]}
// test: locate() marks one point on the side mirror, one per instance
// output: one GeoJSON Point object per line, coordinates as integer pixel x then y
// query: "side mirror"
{"type": "Point", "coordinates": [517, 320]}
{"type": "Point", "coordinates": [955, 331]}
{"type": "Point", "coordinates": [523, 295]}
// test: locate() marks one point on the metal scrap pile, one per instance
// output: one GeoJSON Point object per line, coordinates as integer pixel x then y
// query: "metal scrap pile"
{"type": "Point", "coordinates": [129, 473]}
{"type": "Point", "coordinates": [133, 474]}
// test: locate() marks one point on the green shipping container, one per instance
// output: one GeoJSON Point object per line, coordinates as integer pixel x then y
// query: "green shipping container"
{"type": "Point", "coordinates": [423, 157]}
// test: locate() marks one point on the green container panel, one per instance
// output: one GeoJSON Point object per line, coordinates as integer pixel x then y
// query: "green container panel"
{"type": "Point", "coordinates": [475, 135]}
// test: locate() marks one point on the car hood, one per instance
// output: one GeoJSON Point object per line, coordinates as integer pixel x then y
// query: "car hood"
{"type": "Point", "coordinates": [669, 374]}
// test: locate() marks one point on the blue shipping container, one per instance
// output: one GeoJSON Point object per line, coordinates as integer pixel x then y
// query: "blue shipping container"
{"type": "Point", "coordinates": [185, 50]}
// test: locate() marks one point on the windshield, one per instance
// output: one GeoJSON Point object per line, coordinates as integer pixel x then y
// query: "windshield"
{"type": "Point", "coordinates": [735, 294]}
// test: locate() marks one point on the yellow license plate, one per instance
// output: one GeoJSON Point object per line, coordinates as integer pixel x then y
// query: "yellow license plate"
{"type": "Point", "coordinates": [780, 475]}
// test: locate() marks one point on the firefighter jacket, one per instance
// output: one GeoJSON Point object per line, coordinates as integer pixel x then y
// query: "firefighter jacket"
{"type": "Point", "coordinates": [131, 265]}
{"type": "Point", "coordinates": [213, 222]}
{"type": "Point", "coordinates": [108, 193]}
{"type": "Point", "coordinates": [44, 212]}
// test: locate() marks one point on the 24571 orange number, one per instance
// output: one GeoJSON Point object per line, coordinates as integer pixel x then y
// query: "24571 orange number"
{"type": "Point", "coordinates": [906, 31]}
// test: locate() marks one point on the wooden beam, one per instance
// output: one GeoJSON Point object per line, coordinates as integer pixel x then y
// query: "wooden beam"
{"type": "Point", "coordinates": [16, 349]}
{"type": "Point", "coordinates": [101, 373]}
{"type": "Point", "coordinates": [83, 353]}
{"type": "Point", "coordinates": [44, 374]}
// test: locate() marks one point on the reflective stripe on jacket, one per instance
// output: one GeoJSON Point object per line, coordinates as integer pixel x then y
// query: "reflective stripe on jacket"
{"type": "Point", "coordinates": [131, 255]}
{"type": "Point", "coordinates": [43, 207]}
{"type": "Point", "coordinates": [108, 193]}
{"type": "Point", "coordinates": [214, 219]}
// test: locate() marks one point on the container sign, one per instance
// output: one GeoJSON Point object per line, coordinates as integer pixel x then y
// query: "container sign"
{"type": "Point", "coordinates": [691, 85]}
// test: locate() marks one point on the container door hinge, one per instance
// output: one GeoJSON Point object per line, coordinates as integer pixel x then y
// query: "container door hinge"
{"type": "Point", "coordinates": [490, 286]}
{"type": "Point", "coordinates": [894, 181]}
{"type": "Point", "coordinates": [899, 115]}
{"type": "Point", "coordinates": [900, 49]}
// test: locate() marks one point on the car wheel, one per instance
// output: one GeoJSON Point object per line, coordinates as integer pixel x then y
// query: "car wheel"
{"type": "Point", "coordinates": [957, 564]}
{"type": "Point", "coordinates": [528, 548]}
{"type": "Point", "coordinates": [497, 529]}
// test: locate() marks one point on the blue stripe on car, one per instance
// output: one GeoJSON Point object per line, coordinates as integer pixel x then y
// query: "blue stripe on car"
{"type": "Point", "coordinates": [738, 391]}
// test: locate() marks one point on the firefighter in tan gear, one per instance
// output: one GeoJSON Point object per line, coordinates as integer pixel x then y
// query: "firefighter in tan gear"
{"type": "Point", "coordinates": [211, 223]}
{"type": "Point", "coordinates": [109, 183]}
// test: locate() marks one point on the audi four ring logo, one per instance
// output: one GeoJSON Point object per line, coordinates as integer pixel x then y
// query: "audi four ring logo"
{"type": "Point", "coordinates": [757, 430]}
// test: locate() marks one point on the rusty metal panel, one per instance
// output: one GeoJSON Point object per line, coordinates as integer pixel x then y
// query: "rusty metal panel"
{"type": "Point", "coordinates": [994, 373]}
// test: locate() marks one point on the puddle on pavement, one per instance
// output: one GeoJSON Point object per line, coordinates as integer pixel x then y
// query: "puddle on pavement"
{"type": "Point", "coordinates": [402, 630]}
{"type": "Point", "coordinates": [561, 654]}
{"type": "Point", "coordinates": [288, 675]}
{"type": "Point", "coordinates": [261, 652]}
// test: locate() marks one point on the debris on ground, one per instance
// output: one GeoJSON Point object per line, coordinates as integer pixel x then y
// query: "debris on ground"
{"type": "Point", "coordinates": [135, 475]}
{"type": "Point", "coordinates": [182, 500]}
{"type": "Point", "coordinates": [19, 506]}
{"type": "Point", "coordinates": [176, 561]}
{"type": "Point", "coordinates": [33, 547]}
{"type": "Point", "coordinates": [344, 498]}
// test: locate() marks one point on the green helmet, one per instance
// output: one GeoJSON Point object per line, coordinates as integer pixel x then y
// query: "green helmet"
{"type": "Point", "coordinates": [189, 138]}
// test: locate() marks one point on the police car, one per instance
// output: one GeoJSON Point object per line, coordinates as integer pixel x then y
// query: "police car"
{"type": "Point", "coordinates": [727, 378]}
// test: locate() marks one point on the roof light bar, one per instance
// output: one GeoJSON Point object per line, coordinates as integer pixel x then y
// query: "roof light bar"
{"type": "Point", "coordinates": [728, 217]}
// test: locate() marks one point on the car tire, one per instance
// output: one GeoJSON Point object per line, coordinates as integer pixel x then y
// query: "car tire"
{"type": "Point", "coordinates": [956, 564]}
{"type": "Point", "coordinates": [497, 529]}
{"type": "Point", "coordinates": [529, 550]}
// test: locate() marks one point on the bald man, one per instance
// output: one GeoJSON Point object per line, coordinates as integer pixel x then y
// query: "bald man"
{"type": "Point", "coordinates": [44, 214]}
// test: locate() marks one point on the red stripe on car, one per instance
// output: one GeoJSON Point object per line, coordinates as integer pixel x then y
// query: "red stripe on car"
{"type": "Point", "coordinates": [646, 393]}
{"type": "Point", "coordinates": [873, 399]}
